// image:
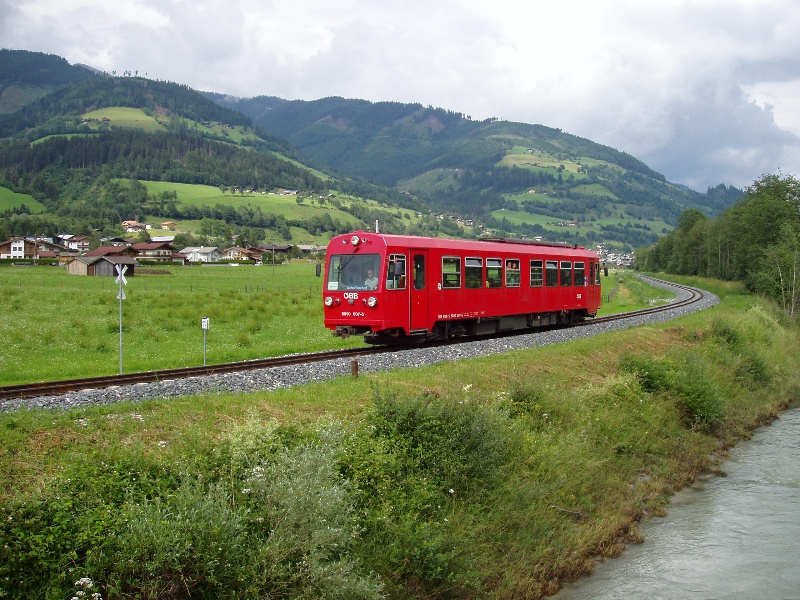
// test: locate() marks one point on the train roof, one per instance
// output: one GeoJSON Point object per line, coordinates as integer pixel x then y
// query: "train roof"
{"type": "Point", "coordinates": [499, 245]}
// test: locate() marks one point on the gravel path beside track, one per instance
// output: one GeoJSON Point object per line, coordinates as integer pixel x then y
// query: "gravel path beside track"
{"type": "Point", "coordinates": [283, 377]}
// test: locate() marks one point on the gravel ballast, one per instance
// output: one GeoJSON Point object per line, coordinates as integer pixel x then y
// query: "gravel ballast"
{"type": "Point", "coordinates": [283, 377]}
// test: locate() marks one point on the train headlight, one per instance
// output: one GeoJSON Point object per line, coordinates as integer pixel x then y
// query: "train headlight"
{"type": "Point", "coordinates": [355, 240]}
{"type": "Point", "coordinates": [372, 302]}
{"type": "Point", "coordinates": [328, 301]}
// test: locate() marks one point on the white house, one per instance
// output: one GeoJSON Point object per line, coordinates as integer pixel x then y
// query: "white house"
{"type": "Point", "coordinates": [207, 254]}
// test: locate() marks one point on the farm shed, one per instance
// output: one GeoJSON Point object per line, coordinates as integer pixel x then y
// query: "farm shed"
{"type": "Point", "coordinates": [101, 265]}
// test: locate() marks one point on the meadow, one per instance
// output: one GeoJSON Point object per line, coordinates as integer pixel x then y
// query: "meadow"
{"type": "Point", "coordinates": [10, 200]}
{"type": "Point", "coordinates": [60, 326]}
{"type": "Point", "coordinates": [120, 116]}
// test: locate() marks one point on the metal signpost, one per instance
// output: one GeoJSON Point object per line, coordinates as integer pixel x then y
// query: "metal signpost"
{"type": "Point", "coordinates": [204, 323]}
{"type": "Point", "coordinates": [121, 281]}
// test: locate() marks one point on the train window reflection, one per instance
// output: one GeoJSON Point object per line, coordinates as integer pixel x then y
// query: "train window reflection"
{"type": "Point", "coordinates": [396, 273]}
{"type": "Point", "coordinates": [473, 273]}
{"type": "Point", "coordinates": [494, 272]}
{"type": "Point", "coordinates": [451, 272]}
{"type": "Point", "coordinates": [551, 273]}
{"type": "Point", "coordinates": [566, 272]}
{"type": "Point", "coordinates": [537, 275]}
{"type": "Point", "coordinates": [352, 272]}
{"type": "Point", "coordinates": [580, 273]}
{"type": "Point", "coordinates": [512, 272]}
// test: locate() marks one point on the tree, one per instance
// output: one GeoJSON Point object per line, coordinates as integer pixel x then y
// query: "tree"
{"type": "Point", "coordinates": [780, 268]}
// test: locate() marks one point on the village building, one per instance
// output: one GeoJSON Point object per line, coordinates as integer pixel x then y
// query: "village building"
{"type": "Point", "coordinates": [204, 254]}
{"type": "Point", "coordinates": [102, 266]}
{"type": "Point", "coordinates": [154, 251]}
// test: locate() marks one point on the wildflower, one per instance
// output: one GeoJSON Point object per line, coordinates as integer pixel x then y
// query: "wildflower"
{"type": "Point", "coordinates": [162, 444]}
{"type": "Point", "coordinates": [467, 387]}
{"type": "Point", "coordinates": [451, 491]}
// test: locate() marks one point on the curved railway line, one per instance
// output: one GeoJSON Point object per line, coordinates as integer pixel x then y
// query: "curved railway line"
{"type": "Point", "coordinates": [49, 388]}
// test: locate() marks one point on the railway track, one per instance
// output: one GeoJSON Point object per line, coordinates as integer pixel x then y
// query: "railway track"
{"type": "Point", "coordinates": [52, 388]}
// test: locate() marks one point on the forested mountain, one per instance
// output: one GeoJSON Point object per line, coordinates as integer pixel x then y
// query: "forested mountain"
{"type": "Point", "coordinates": [58, 145]}
{"type": "Point", "coordinates": [77, 166]}
{"type": "Point", "coordinates": [476, 168]}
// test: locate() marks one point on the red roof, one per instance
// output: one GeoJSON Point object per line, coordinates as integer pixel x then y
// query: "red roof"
{"type": "Point", "coordinates": [108, 250]}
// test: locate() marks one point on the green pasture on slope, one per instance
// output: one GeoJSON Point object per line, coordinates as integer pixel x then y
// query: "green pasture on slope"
{"type": "Point", "coordinates": [121, 116]}
{"type": "Point", "coordinates": [10, 200]}
{"type": "Point", "coordinates": [284, 205]}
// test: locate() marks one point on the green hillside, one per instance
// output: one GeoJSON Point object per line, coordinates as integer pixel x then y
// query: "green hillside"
{"type": "Point", "coordinates": [100, 150]}
{"type": "Point", "coordinates": [478, 168]}
{"type": "Point", "coordinates": [82, 145]}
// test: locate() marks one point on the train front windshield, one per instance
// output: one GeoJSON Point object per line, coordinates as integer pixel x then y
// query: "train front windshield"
{"type": "Point", "coordinates": [353, 272]}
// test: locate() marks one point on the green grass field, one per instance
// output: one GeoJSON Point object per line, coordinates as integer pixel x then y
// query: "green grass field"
{"type": "Point", "coordinates": [57, 325]}
{"type": "Point", "coordinates": [61, 326]}
{"type": "Point", "coordinates": [119, 116]}
{"type": "Point", "coordinates": [277, 204]}
{"type": "Point", "coordinates": [10, 200]}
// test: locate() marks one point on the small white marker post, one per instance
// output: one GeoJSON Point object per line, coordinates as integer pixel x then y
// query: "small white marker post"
{"type": "Point", "coordinates": [121, 281]}
{"type": "Point", "coordinates": [204, 323]}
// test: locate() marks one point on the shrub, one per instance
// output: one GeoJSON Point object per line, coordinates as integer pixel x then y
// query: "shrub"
{"type": "Point", "coordinates": [190, 545]}
{"type": "Point", "coordinates": [303, 510]}
{"type": "Point", "coordinates": [459, 442]}
{"type": "Point", "coordinates": [752, 371]}
{"type": "Point", "coordinates": [653, 374]}
{"type": "Point", "coordinates": [727, 333]}
{"type": "Point", "coordinates": [697, 394]}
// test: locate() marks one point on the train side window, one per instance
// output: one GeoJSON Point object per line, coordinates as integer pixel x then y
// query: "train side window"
{"type": "Point", "coordinates": [473, 273]}
{"type": "Point", "coordinates": [580, 273]}
{"type": "Point", "coordinates": [494, 272]}
{"type": "Point", "coordinates": [597, 274]}
{"type": "Point", "coordinates": [537, 275]}
{"type": "Point", "coordinates": [591, 273]}
{"type": "Point", "coordinates": [551, 273]}
{"type": "Point", "coordinates": [419, 271]}
{"type": "Point", "coordinates": [566, 273]}
{"type": "Point", "coordinates": [512, 272]}
{"type": "Point", "coordinates": [451, 272]}
{"type": "Point", "coordinates": [396, 273]}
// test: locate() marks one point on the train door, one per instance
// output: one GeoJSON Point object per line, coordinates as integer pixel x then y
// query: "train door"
{"type": "Point", "coordinates": [419, 291]}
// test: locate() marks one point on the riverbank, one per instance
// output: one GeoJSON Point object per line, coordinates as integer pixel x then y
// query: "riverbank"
{"type": "Point", "coordinates": [493, 477]}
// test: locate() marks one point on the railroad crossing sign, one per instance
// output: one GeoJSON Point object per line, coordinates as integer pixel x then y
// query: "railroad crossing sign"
{"type": "Point", "coordinates": [120, 280]}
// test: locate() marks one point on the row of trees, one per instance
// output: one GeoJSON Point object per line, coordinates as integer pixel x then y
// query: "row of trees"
{"type": "Point", "coordinates": [756, 241]}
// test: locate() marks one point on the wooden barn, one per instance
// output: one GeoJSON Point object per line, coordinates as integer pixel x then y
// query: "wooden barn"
{"type": "Point", "coordinates": [101, 265]}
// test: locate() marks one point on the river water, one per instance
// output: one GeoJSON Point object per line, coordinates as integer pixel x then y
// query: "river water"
{"type": "Point", "coordinates": [724, 538]}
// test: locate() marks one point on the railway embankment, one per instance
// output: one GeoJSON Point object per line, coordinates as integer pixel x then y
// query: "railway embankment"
{"type": "Point", "coordinates": [497, 476]}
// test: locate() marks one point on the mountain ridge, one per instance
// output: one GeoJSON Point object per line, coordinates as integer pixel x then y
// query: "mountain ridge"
{"type": "Point", "coordinates": [516, 178]}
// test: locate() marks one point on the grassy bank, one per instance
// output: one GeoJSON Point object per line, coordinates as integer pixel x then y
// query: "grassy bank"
{"type": "Point", "coordinates": [494, 477]}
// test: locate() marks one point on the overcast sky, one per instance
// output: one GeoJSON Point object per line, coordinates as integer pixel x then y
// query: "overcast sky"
{"type": "Point", "coordinates": [703, 91]}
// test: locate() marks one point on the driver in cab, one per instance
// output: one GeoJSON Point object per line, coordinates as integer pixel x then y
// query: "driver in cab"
{"type": "Point", "coordinates": [371, 283]}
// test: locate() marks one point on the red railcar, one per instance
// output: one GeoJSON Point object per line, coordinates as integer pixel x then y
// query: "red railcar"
{"type": "Point", "coordinates": [397, 287]}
